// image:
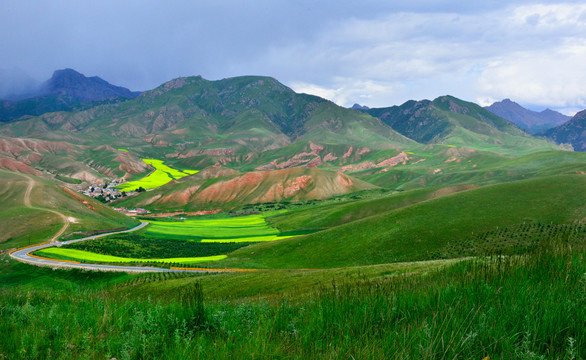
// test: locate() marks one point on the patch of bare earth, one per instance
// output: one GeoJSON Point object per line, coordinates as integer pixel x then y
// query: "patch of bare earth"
{"type": "Point", "coordinates": [17, 166]}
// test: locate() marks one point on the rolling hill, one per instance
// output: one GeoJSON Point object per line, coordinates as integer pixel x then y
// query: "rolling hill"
{"type": "Point", "coordinates": [254, 124]}
{"type": "Point", "coordinates": [449, 226]}
{"type": "Point", "coordinates": [245, 122]}
{"type": "Point", "coordinates": [207, 117]}
{"type": "Point", "coordinates": [54, 159]}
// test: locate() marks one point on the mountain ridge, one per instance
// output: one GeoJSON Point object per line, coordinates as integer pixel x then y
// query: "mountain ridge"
{"type": "Point", "coordinates": [531, 121]}
{"type": "Point", "coordinates": [452, 121]}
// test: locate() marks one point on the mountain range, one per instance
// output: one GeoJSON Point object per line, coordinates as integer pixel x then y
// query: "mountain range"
{"type": "Point", "coordinates": [453, 121]}
{"type": "Point", "coordinates": [256, 125]}
{"type": "Point", "coordinates": [367, 223]}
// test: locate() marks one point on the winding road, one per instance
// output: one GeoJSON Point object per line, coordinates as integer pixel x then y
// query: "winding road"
{"type": "Point", "coordinates": [24, 254]}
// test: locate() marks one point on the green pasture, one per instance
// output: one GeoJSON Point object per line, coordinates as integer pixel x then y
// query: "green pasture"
{"type": "Point", "coordinates": [86, 256]}
{"type": "Point", "coordinates": [162, 175]}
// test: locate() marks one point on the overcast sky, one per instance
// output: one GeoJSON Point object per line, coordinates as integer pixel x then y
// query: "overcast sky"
{"type": "Point", "coordinates": [376, 53]}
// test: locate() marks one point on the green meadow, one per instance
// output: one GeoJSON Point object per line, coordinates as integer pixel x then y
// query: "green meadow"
{"type": "Point", "coordinates": [162, 175]}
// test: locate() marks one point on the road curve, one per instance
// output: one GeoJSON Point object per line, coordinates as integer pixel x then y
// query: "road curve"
{"type": "Point", "coordinates": [23, 255]}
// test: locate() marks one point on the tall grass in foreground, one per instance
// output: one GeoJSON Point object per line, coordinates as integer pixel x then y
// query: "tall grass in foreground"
{"type": "Point", "coordinates": [531, 306]}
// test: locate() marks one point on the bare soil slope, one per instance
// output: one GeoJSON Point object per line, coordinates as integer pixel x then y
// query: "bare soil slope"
{"type": "Point", "coordinates": [196, 192]}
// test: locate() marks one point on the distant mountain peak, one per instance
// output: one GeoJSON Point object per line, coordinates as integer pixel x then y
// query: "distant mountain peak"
{"type": "Point", "coordinates": [445, 119]}
{"type": "Point", "coordinates": [526, 119]}
{"type": "Point", "coordinates": [359, 107]}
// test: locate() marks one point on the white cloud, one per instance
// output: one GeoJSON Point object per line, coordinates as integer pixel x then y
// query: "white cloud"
{"type": "Point", "coordinates": [556, 77]}
{"type": "Point", "coordinates": [533, 54]}
{"type": "Point", "coordinates": [350, 91]}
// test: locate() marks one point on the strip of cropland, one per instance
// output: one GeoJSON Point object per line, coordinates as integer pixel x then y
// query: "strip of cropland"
{"type": "Point", "coordinates": [162, 175]}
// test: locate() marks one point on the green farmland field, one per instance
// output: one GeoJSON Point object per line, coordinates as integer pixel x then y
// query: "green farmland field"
{"type": "Point", "coordinates": [250, 228]}
{"type": "Point", "coordinates": [80, 255]}
{"type": "Point", "coordinates": [188, 241]}
{"type": "Point", "coordinates": [162, 175]}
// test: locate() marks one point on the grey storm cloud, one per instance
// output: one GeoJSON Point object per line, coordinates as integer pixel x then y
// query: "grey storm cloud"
{"type": "Point", "coordinates": [378, 53]}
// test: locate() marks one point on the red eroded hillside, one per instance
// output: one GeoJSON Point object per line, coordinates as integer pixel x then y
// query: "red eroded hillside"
{"type": "Point", "coordinates": [250, 188]}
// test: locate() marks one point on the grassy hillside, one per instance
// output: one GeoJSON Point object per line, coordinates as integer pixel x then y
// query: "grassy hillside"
{"type": "Point", "coordinates": [256, 123]}
{"type": "Point", "coordinates": [431, 229]}
{"type": "Point", "coordinates": [453, 165]}
{"type": "Point", "coordinates": [22, 224]}
{"type": "Point", "coordinates": [335, 214]}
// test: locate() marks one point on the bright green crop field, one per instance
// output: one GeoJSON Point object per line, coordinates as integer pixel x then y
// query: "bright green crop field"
{"type": "Point", "coordinates": [162, 175]}
{"type": "Point", "coordinates": [250, 228]}
{"type": "Point", "coordinates": [80, 255]}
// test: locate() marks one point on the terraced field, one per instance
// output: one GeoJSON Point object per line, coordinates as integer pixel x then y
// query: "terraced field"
{"type": "Point", "coordinates": [161, 176]}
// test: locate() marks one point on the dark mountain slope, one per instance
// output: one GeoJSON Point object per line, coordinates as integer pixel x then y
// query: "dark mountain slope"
{"type": "Point", "coordinates": [66, 90]}
{"type": "Point", "coordinates": [572, 132]}
{"type": "Point", "coordinates": [84, 89]}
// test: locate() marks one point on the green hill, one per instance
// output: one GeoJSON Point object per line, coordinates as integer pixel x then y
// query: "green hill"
{"type": "Point", "coordinates": [450, 226]}
{"type": "Point", "coordinates": [448, 166]}
{"type": "Point", "coordinates": [256, 123]}
{"type": "Point", "coordinates": [195, 123]}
